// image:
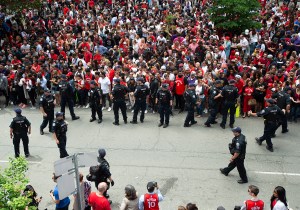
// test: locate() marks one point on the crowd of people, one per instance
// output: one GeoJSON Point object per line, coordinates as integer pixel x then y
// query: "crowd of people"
{"type": "Point", "coordinates": [170, 45]}
{"type": "Point", "coordinates": [101, 41]}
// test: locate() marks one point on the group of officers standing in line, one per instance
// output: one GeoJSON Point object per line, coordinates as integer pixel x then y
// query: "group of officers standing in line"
{"type": "Point", "coordinates": [274, 115]}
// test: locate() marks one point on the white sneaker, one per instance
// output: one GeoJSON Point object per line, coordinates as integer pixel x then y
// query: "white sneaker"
{"type": "Point", "coordinates": [103, 108]}
{"type": "Point", "coordinates": [87, 106]}
{"type": "Point", "coordinates": [205, 111]}
{"type": "Point", "coordinates": [109, 109]}
{"type": "Point", "coordinates": [146, 111]}
{"type": "Point", "coordinates": [132, 111]}
{"type": "Point", "coordinates": [32, 108]}
{"type": "Point", "coordinates": [153, 112]}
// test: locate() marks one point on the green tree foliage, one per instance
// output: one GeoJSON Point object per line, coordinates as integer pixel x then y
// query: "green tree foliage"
{"type": "Point", "coordinates": [235, 15]}
{"type": "Point", "coordinates": [12, 182]}
{"type": "Point", "coordinates": [15, 6]}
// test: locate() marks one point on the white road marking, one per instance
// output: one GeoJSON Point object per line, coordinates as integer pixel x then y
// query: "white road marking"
{"type": "Point", "coordinates": [30, 162]}
{"type": "Point", "coordinates": [276, 173]}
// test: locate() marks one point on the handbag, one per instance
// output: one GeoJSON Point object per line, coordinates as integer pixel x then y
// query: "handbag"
{"type": "Point", "coordinates": [252, 102]}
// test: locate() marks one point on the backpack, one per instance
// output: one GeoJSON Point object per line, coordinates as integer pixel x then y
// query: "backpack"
{"type": "Point", "coordinates": [94, 173]}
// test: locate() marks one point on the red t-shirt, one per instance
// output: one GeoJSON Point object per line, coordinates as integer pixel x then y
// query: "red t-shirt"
{"type": "Point", "coordinates": [257, 205]}
{"type": "Point", "coordinates": [98, 203]}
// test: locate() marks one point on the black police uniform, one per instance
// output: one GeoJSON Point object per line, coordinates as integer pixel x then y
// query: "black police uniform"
{"type": "Point", "coordinates": [60, 129]}
{"type": "Point", "coordinates": [283, 99]}
{"type": "Point", "coordinates": [271, 114]}
{"type": "Point", "coordinates": [66, 92]}
{"type": "Point", "coordinates": [230, 94]}
{"type": "Point", "coordinates": [20, 125]}
{"type": "Point", "coordinates": [95, 95]}
{"type": "Point", "coordinates": [47, 102]}
{"type": "Point", "coordinates": [164, 97]}
{"type": "Point", "coordinates": [238, 145]}
{"type": "Point", "coordinates": [140, 94]}
{"type": "Point", "coordinates": [104, 174]}
{"type": "Point", "coordinates": [119, 92]}
{"type": "Point", "coordinates": [213, 105]}
{"type": "Point", "coordinates": [190, 102]}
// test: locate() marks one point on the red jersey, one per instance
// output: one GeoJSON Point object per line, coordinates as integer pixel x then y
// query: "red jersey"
{"type": "Point", "coordinates": [180, 86]}
{"type": "Point", "coordinates": [87, 80]}
{"type": "Point", "coordinates": [254, 205]}
{"type": "Point", "coordinates": [151, 202]}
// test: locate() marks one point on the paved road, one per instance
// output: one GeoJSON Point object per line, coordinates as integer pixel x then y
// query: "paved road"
{"type": "Point", "coordinates": [184, 161]}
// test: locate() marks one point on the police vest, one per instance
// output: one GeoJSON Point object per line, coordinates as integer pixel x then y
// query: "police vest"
{"type": "Point", "coordinates": [20, 125]}
{"type": "Point", "coordinates": [62, 128]}
{"type": "Point", "coordinates": [63, 87]}
{"type": "Point", "coordinates": [272, 116]}
{"type": "Point", "coordinates": [254, 205]}
{"type": "Point", "coordinates": [48, 105]}
{"type": "Point", "coordinates": [180, 87]}
{"type": "Point", "coordinates": [163, 97]}
{"type": "Point", "coordinates": [151, 202]}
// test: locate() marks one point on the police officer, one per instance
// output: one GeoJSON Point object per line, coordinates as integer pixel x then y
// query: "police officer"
{"type": "Point", "coordinates": [19, 128]}
{"type": "Point", "coordinates": [47, 104]}
{"type": "Point", "coordinates": [230, 94]}
{"type": "Point", "coordinates": [118, 93]}
{"type": "Point", "coordinates": [238, 151]}
{"type": "Point", "coordinates": [140, 94]}
{"type": "Point", "coordinates": [190, 102]}
{"type": "Point", "coordinates": [214, 101]}
{"type": "Point", "coordinates": [271, 114]}
{"type": "Point", "coordinates": [104, 171]}
{"type": "Point", "coordinates": [95, 98]}
{"type": "Point", "coordinates": [284, 103]}
{"type": "Point", "coordinates": [164, 101]}
{"type": "Point", "coordinates": [66, 93]}
{"type": "Point", "coordinates": [60, 128]}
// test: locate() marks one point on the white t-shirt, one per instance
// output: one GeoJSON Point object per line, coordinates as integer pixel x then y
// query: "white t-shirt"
{"type": "Point", "coordinates": [105, 84]}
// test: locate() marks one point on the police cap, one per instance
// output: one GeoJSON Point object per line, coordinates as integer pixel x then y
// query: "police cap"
{"type": "Point", "coordinates": [286, 89]}
{"type": "Point", "coordinates": [117, 80]}
{"type": "Point", "coordinates": [218, 82]}
{"type": "Point", "coordinates": [47, 90]}
{"type": "Point", "coordinates": [165, 85]}
{"type": "Point", "coordinates": [63, 76]}
{"type": "Point", "coordinates": [58, 114]}
{"type": "Point", "coordinates": [101, 152]}
{"type": "Point", "coordinates": [18, 110]}
{"type": "Point", "coordinates": [140, 79]}
{"type": "Point", "coordinates": [236, 129]}
{"type": "Point", "coordinates": [232, 81]}
{"type": "Point", "coordinates": [270, 101]}
{"type": "Point", "coordinates": [92, 82]}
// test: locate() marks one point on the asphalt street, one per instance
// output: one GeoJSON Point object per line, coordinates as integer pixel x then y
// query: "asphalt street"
{"type": "Point", "coordinates": [184, 161]}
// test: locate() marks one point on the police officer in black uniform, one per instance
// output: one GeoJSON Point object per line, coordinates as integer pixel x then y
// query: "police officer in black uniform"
{"type": "Point", "coordinates": [164, 101]}
{"type": "Point", "coordinates": [118, 93]}
{"type": "Point", "coordinates": [230, 94]}
{"type": "Point", "coordinates": [60, 128]}
{"type": "Point", "coordinates": [271, 114]}
{"type": "Point", "coordinates": [104, 171]}
{"type": "Point", "coordinates": [95, 98]}
{"type": "Point", "coordinates": [238, 151]}
{"type": "Point", "coordinates": [140, 95]}
{"type": "Point", "coordinates": [67, 95]}
{"type": "Point", "coordinates": [214, 103]}
{"type": "Point", "coordinates": [47, 104]}
{"type": "Point", "coordinates": [190, 103]}
{"type": "Point", "coordinates": [19, 128]}
{"type": "Point", "coordinates": [284, 103]}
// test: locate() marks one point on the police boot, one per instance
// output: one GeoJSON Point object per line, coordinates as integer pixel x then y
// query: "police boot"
{"type": "Point", "coordinates": [133, 122]}
{"type": "Point", "coordinates": [100, 121]}
{"type": "Point", "coordinates": [92, 119]}
{"type": "Point", "coordinates": [75, 118]}
{"type": "Point", "coordinates": [207, 124]}
{"type": "Point", "coordinates": [41, 132]}
{"type": "Point", "coordinates": [186, 125]}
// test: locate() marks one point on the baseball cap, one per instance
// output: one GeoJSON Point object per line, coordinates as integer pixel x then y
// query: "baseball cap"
{"type": "Point", "coordinates": [63, 76]}
{"type": "Point", "coordinates": [232, 81]}
{"type": "Point", "coordinates": [150, 186]}
{"type": "Point", "coordinates": [92, 82]}
{"type": "Point", "coordinates": [270, 101]}
{"type": "Point", "coordinates": [117, 80]}
{"type": "Point", "coordinates": [165, 85]}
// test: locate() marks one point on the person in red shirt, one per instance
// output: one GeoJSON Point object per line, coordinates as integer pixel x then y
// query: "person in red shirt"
{"type": "Point", "coordinates": [150, 200]}
{"type": "Point", "coordinates": [248, 91]}
{"type": "Point", "coordinates": [254, 202]}
{"type": "Point", "coordinates": [97, 200]}
{"type": "Point", "coordinates": [87, 56]}
{"type": "Point", "coordinates": [179, 90]}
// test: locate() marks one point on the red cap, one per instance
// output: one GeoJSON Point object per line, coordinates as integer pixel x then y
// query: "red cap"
{"type": "Point", "coordinates": [69, 74]}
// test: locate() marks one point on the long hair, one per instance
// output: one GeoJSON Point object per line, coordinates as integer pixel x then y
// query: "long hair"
{"type": "Point", "coordinates": [130, 192]}
{"type": "Point", "coordinates": [281, 195]}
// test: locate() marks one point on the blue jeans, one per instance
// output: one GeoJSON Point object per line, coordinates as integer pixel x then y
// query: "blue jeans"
{"type": "Point", "coordinates": [200, 107]}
